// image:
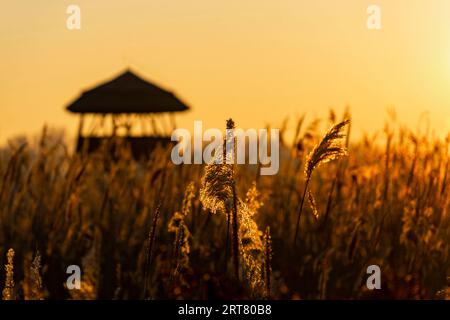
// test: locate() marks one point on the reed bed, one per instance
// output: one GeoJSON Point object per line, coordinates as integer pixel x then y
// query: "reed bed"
{"type": "Point", "coordinates": [153, 230]}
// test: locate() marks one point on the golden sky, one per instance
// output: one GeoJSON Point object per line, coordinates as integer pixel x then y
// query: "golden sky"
{"type": "Point", "coordinates": [258, 61]}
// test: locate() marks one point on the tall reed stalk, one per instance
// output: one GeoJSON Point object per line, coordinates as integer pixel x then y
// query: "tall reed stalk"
{"type": "Point", "coordinates": [149, 251]}
{"type": "Point", "coordinates": [234, 220]}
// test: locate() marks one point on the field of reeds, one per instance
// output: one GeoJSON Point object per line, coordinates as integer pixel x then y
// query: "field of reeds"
{"type": "Point", "coordinates": [154, 230]}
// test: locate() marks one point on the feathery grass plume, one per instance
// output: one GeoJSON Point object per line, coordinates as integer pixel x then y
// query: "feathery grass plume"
{"type": "Point", "coordinates": [189, 195]}
{"type": "Point", "coordinates": [8, 291]}
{"type": "Point", "coordinates": [35, 291]}
{"type": "Point", "coordinates": [218, 191]}
{"type": "Point", "coordinates": [181, 249]}
{"type": "Point", "coordinates": [251, 250]}
{"type": "Point", "coordinates": [267, 261]}
{"type": "Point", "coordinates": [330, 148]}
{"type": "Point", "coordinates": [178, 226]}
{"type": "Point", "coordinates": [251, 243]}
{"type": "Point", "coordinates": [252, 198]}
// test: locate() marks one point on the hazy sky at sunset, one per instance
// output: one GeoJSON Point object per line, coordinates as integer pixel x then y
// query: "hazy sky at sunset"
{"type": "Point", "coordinates": [255, 60]}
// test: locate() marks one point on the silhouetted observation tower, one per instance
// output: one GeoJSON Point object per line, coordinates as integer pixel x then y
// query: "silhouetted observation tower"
{"type": "Point", "coordinates": [127, 108]}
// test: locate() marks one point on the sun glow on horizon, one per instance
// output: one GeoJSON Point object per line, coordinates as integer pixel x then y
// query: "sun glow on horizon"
{"type": "Point", "coordinates": [258, 62]}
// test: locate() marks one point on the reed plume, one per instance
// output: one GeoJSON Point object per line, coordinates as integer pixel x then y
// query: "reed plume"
{"type": "Point", "coordinates": [218, 191]}
{"type": "Point", "coordinates": [181, 249]}
{"type": "Point", "coordinates": [189, 196]}
{"type": "Point", "coordinates": [251, 249]}
{"type": "Point", "coordinates": [35, 291]}
{"type": "Point", "coordinates": [8, 291]}
{"type": "Point", "coordinates": [329, 148]}
{"type": "Point", "coordinates": [252, 198]}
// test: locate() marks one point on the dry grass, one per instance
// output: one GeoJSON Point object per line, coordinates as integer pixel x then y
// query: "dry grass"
{"type": "Point", "coordinates": [155, 230]}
